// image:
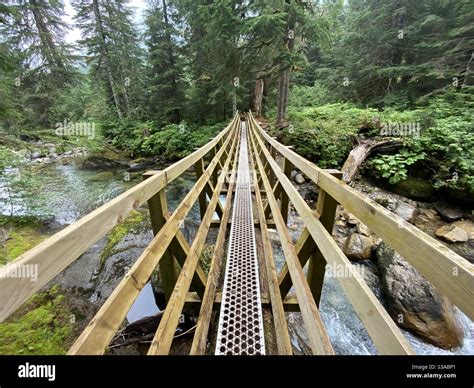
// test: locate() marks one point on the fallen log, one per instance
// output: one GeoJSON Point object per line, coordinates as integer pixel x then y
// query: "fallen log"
{"type": "Point", "coordinates": [361, 151]}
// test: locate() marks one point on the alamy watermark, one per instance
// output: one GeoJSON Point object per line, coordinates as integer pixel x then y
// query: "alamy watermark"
{"type": "Point", "coordinates": [395, 129]}
{"type": "Point", "coordinates": [19, 271]}
{"type": "Point", "coordinates": [336, 270]}
{"type": "Point", "coordinates": [75, 128]}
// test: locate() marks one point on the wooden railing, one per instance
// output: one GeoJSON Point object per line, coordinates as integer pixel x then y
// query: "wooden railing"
{"type": "Point", "coordinates": [57, 252]}
{"type": "Point", "coordinates": [449, 272]}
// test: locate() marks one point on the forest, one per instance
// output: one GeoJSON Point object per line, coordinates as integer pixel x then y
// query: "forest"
{"type": "Point", "coordinates": [321, 72]}
{"type": "Point", "coordinates": [92, 91]}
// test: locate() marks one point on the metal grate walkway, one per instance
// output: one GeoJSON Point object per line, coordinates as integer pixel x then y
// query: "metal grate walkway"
{"type": "Point", "coordinates": [240, 329]}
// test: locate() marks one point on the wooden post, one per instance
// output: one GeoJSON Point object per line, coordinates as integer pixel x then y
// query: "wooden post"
{"type": "Point", "coordinates": [326, 207]}
{"type": "Point", "coordinates": [212, 153]}
{"type": "Point", "coordinates": [158, 207]}
{"type": "Point", "coordinates": [199, 167]}
{"type": "Point", "coordinates": [272, 174]}
{"type": "Point", "coordinates": [284, 206]}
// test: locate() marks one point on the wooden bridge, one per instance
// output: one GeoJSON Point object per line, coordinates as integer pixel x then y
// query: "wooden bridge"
{"type": "Point", "coordinates": [242, 164]}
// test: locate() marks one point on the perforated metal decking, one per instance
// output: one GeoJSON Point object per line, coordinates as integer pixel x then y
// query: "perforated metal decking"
{"type": "Point", "coordinates": [240, 329]}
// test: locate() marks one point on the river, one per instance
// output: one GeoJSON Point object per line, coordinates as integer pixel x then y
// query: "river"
{"type": "Point", "coordinates": [66, 193]}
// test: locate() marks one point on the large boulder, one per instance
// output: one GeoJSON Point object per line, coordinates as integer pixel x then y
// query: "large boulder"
{"type": "Point", "coordinates": [452, 233]}
{"type": "Point", "coordinates": [414, 188]}
{"type": "Point", "coordinates": [447, 213]}
{"type": "Point", "coordinates": [358, 247]}
{"type": "Point", "coordinates": [98, 162]}
{"type": "Point", "coordinates": [467, 226]}
{"type": "Point", "coordinates": [415, 304]}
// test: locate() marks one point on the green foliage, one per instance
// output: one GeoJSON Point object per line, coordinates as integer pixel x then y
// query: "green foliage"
{"type": "Point", "coordinates": [449, 145]}
{"type": "Point", "coordinates": [41, 327]}
{"type": "Point", "coordinates": [79, 102]}
{"type": "Point", "coordinates": [306, 96]}
{"type": "Point", "coordinates": [128, 134]}
{"type": "Point", "coordinates": [174, 141]}
{"type": "Point", "coordinates": [325, 134]}
{"type": "Point", "coordinates": [394, 168]}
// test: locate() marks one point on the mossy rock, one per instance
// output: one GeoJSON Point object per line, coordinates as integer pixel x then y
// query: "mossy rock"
{"type": "Point", "coordinates": [43, 326]}
{"type": "Point", "coordinates": [414, 188]}
{"type": "Point", "coordinates": [18, 236]}
{"type": "Point", "coordinates": [131, 224]}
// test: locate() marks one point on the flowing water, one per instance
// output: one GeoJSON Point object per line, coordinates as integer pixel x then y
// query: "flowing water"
{"type": "Point", "coordinates": [65, 193]}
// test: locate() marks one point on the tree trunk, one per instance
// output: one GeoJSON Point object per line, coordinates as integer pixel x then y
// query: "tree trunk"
{"type": "Point", "coordinates": [469, 71]}
{"type": "Point", "coordinates": [361, 151]}
{"type": "Point", "coordinates": [283, 85]}
{"type": "Point", "coordinates": [105, 53]}
{"type": "Point", "coordinates": [284, 79]}
{"type": "Point", "coordinates": [176, 114]}
{"type": "Point", "coordinates": [258, 97]}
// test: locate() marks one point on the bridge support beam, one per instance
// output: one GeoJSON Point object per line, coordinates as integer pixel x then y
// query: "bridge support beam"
{"type": "Point", "coordinates": [158, 207]}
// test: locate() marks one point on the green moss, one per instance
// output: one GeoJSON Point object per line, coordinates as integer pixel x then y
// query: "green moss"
{"type": "Point", "coordinates": [21, 235]}
{"type": "Point", "coordinates": [205, 258]}
{"type": "Point", "coordinates": [42, 326]}
{"type": "Point", "coordinates": [130, 225]}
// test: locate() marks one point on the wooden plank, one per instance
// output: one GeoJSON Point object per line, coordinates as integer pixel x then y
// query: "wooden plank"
{"type": "Point", "coordinates": [451, 274]}
{"type": "Point", "coordinates": [57, 252]}
{"type": "Point", "coordinates": [212, 153]}
{"type": "Point", "coordinates": [164, 335]}
{"type": "Point", "coordinates": [100, 331]}
{"type": "Point", "coordinates": [386, 336]}
{"type": "Point", "coordinates": [198, 346]}
{"type": "Point", "coordinates": [284, 205]}
{"type": "Point", "coordinates": [305, 247]}
{"type": "Point", "coordinates": [318, 337]}
{"type": "Point", "coordinates": [179, 246]}
{"type": "Point", "coordinates": [158, 208]}
{"type": "Point", "coordinates": [199, 168]}
{"type": "Point", "coordinates": [277, 192]}
{"type": "Point", "coordinates": [279, 319]}
{"type": "Point", "coordinates": [326, 207]}
{"type": "Point", "coordinates": [290, 303]}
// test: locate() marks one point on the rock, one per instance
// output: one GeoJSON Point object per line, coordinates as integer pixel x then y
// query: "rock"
{"type": "Point", "coordinates": [52, 150]}
{"type": "Point", "coordinates": [448, 214]}
{"type": "Point", "coordinates": [386, 201]}
{"type": "Point", "coordinates": [358, 247]}
{"type": "Point", "coordinates": [299, 178]}
{"type": "Point", "coordinates": [23, 153]}
{"type": "Point", "coordinates": [97, 162]}
{"type": "Point", "coordinates": [140, 165]}
{"type": "Point", "coordinates": [29, 137]}
{"type": "Point", "coordinates": [414, 188]}
{"type": "Point", "coordinates": [350, 219]}
{"type": "Point", "coordinates": [415, 304]}
{"type": "Point", "coordinates": [467, 226]}
{"type": "Point", "coordinates": [405, 211]}
{"type": "Point", "coordinates": [452, 233]}
{"type": "Point", "coordinates": [102, 176]}
{"type": "Point", "coordinates": [363, 229]}
{"type": "Point", "coordinates": [35, 155]}
{"type": "Point", "coordinates": [293, 174]}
